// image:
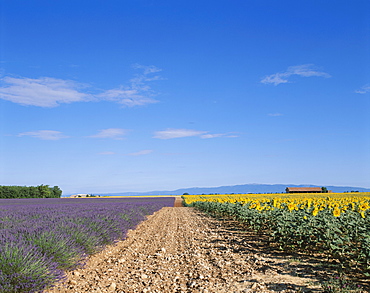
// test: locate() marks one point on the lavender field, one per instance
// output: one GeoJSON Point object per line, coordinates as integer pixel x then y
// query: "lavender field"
{"type": "Point", "coordinates": [40, 239]}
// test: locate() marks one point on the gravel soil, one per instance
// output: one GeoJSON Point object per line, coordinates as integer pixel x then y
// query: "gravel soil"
{"type": "Point", "coordinates": [182, 250]}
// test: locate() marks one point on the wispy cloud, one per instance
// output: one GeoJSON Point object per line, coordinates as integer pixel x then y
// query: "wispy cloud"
{"type": "Point", "coordinates": [42, 92]}
{"type": "Point", "coordinates": [147, 69]}
{"type": "Point", "coordinates": [140, 153]}
{"type": "Point", "coordinates": [51, 92]}
{"type": "Point", "coordinates": [138, 92]}
{"type": "Point", "coordinates": [363, 90]}
{"type": "Point", "coordinates": [205, 136]}
{"type": "Point", "coordinates": [127, 96]}
{"type": "Point", "coordinates": [178, 133]}
{"type": "Point", "coordinates": [112, 133]}
{"type": "Point", "coordinates": [44, 134]}
{"type": "Point", "coordinates": [305, 70]}
{"type": "Point", "coordinates": [275, 114]}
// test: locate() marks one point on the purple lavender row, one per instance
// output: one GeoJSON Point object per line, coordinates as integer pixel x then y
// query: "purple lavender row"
{"type": "Point", "coordinates": [42, 238]}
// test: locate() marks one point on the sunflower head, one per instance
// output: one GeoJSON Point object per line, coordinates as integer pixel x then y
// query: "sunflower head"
{"type": "Point", "coordinates": [336, 212]}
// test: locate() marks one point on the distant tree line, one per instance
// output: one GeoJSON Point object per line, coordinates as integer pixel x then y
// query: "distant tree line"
{"type": "Point", "coordinates": [40, 191]}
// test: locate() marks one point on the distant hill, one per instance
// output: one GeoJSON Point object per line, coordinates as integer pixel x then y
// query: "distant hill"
{"type": "Point", "coordinates": [245, 188]}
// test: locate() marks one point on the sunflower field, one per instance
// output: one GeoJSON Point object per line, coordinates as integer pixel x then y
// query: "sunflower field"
{"type": "Point", "coordinates": [336, 225]}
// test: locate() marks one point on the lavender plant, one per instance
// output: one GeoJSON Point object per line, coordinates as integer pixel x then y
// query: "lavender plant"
{"type": "Point", "coordinates": [41, 238]}
{"type": "Point", "coordinates": [23, 268]}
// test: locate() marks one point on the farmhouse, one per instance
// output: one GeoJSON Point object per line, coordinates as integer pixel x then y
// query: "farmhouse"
{"type": "Point", "coordinates": [303, 190]}
{"type": "Point", "coordinates": [84, 195]}
{"type": "Point", "coordinates": [79, 195]}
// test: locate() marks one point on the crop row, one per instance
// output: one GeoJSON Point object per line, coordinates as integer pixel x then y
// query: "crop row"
{"type": "Point", "coordinates": [41, 239]}
{"type": "Point", "coordinates": [337, 226]}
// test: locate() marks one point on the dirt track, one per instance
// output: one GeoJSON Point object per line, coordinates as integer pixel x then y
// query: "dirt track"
{"type": "Point", "coordinates": [181, 250]}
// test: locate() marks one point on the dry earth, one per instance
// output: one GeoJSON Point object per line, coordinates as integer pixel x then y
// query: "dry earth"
{"type": "Point", "coordinates": [181, 250]}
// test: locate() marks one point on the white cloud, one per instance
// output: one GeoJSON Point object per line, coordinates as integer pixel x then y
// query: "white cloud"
{"type": "Point", "coordinates": [138, 92]}
{"type": "Point", "coordinates": [211, 135]}
{"type": "Point", "coordinates": [141, 153]}
{"type": "Point", "coordinates": [42, 92]}
{"type": "Point", "coordinates": [147, 69]}
{"type": "Point", "coordinates": [365, 89]}
{"type": "Point", "coordinates": [51, 92]}
{"type": "Point", "coordinates": [127, 96]}
{"type": "Point", "coordinates": [275, 114]}
{"type": "Point", "coordinates": [177, 133]}
{"type": "Point", "coordinates": [218, 135]}
{"type": "Point", "coordinates": [44, 134]}
{"type": "Point", "coordinates": [113, 133]}
{"type": "Point", "coordinates": [276, 79]}
{"type": "Point", "coordinates": [305, 70]}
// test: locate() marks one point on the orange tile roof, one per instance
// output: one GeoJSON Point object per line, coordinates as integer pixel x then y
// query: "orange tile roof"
{"type": "Point", "coordinates": [304, 188]}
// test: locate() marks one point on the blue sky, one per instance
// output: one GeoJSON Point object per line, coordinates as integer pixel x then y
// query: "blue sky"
{"type": "Point", "coordinates": [140, 95]}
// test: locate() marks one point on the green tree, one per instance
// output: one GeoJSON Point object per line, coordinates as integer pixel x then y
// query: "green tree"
{"type": "Point", "coordinates": [44, 191]}
{"type": "Point", "coordinates": [33, 191]}
{"type": "Point", "coordinates": [57, 192]}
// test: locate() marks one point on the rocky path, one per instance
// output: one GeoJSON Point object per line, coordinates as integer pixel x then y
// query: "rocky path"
{"type": "Point", "coordinates": [180, 250]}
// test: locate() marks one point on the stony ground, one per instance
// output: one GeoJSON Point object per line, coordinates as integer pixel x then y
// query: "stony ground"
{"type": "Point", "coordinates": [181, 250]}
